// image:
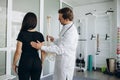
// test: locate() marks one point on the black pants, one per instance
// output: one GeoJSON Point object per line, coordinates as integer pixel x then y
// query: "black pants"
{"type": "Point", "coordinates": [30, 68]}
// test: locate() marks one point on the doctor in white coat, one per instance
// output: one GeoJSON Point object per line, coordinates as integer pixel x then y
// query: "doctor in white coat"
{"type": "Point", "coordinates": [64, 47]}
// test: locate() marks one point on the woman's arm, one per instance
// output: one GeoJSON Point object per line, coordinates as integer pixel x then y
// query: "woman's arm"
{"type": "Point", "coordinates": [43, 55]}
{"type": "Point", "coordinates": [17, 54]}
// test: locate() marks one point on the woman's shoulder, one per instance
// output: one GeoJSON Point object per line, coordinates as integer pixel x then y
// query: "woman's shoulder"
{"type": "Point", "coordinates": [40, 36]}
{"type": "Point", "coordinates": [39, 33]}
{"type": "Point", "coordinates": [21, 32]}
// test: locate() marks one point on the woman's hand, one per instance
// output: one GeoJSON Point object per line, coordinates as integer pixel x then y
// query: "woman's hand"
{"type": "Point", "coordinates": [15, 68]}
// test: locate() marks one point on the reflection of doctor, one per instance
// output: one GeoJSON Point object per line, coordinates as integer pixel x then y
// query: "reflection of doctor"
{"type": "Point", "coordinates": [64, 47]}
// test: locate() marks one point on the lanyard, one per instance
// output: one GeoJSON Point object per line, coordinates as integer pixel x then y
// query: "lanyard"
{"type": "Point", "coordinates": [67, 29]}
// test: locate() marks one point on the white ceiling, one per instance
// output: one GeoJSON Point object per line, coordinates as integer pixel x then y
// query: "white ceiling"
{"type": "Point", "coordinates": [75, 3]}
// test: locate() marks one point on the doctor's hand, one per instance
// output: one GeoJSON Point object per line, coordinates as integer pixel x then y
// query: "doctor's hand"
{"type": "Point", "coordinates": [36, 45]}
{"type": "Point", "coordinates": [50, 38]}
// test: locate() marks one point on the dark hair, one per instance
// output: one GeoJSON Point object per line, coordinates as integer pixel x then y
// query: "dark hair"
{"type": "Point", "coordinates": [29, 21]}
{"type": "Point", "coordinates": [67, 13]}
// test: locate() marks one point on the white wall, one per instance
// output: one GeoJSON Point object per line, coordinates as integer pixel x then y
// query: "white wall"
{"type": "Point", "coordinates": [118, 12]}
{"type": "Point", "coordinates": [98, 8]}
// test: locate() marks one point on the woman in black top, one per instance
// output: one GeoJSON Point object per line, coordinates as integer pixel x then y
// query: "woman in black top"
{"type": "Point", "coordinates": [30, 64]}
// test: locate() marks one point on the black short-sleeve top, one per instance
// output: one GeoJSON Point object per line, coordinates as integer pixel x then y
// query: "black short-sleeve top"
{"type": "Point", "coordinates": [26, 37]}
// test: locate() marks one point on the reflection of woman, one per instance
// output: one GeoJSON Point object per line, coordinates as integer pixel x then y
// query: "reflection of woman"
{"type": "Point", "coordinates": [30, 64]}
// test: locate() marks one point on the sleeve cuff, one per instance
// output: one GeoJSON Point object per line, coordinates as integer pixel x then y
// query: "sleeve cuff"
{"type": "Point", "coordinates": [43, 48]}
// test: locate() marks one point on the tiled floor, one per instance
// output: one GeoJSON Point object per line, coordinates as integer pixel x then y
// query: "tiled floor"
{"type": "Point", "coordinates": [96, 75]}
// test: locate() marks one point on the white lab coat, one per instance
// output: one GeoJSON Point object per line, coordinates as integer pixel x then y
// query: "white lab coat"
{"type": "Point", "coordinates": [65, 49]}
